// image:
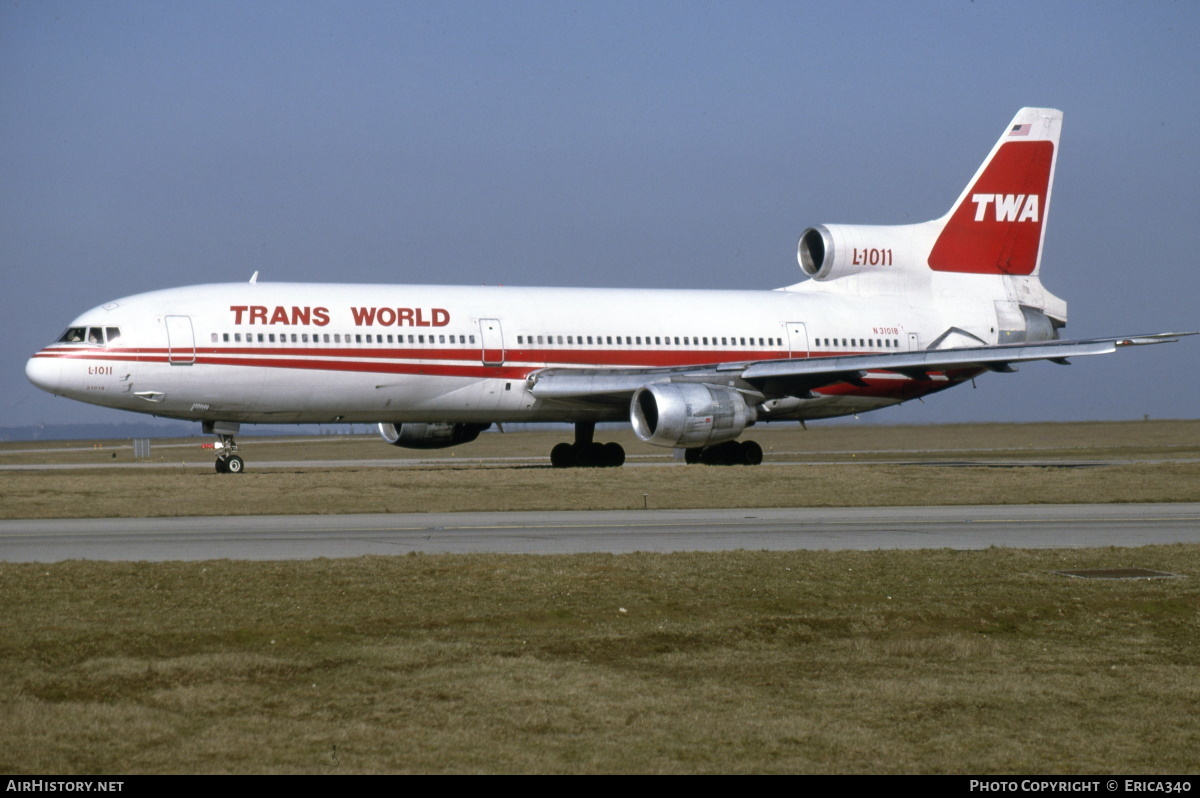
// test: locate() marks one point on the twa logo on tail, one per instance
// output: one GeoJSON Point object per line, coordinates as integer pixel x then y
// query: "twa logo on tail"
{"type": "Point", "coordinates": [996, 226]}
{"type": "Point", "coordinates": [1006, 207]}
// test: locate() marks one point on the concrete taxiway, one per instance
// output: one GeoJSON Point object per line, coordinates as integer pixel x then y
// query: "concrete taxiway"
{"type": "Point", "coordinates": [311, 536]}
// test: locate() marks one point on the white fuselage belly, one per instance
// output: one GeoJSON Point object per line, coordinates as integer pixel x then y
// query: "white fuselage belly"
{"type": "Point", "coordinates": [294, 353]}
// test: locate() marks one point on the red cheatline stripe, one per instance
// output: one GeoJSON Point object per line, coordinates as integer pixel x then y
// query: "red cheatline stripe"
{"type": "Point", "coordinates": [422, 361]}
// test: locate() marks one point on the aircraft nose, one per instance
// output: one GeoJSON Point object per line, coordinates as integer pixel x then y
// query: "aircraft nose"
{"type": "Point", "coordinates": [45, 373]}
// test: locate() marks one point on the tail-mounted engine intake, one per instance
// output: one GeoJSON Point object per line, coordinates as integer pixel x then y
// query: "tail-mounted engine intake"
{"type": "Point", "coordinates": [830, 251]}
{"type": "Point", "coordinates": [430, 436]}
{"type": "Point", "coordinates": [689, 414]}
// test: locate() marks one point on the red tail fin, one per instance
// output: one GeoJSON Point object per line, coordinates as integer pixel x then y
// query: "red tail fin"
{"type": "Point", "coordinates": [996, 227]}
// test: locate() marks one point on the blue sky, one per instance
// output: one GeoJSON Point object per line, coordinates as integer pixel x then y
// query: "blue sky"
{"type": "Point", "coordinates": [146, 145]}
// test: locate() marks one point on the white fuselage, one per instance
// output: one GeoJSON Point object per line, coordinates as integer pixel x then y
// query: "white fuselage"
{"type": "Point", "coordinates": [298, 353]}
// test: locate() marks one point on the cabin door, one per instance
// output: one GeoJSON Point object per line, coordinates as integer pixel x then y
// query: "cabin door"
{"type": "Point", "coordinates": [797, 335]}
{"type": "Point", "coordinates": [493, 342]}
{"type": "Point", "coordinates": [181, 343]}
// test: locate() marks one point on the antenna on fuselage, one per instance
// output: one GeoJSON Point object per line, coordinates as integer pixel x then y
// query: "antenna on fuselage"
{"type": "Point", "coordinates": [254, 278]}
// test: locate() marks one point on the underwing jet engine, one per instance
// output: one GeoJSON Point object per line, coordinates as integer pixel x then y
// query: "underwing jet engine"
{"type": "Point", "coordinates": [702, 419]}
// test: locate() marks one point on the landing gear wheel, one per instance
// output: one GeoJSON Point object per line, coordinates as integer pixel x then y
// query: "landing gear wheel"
{"type": "Point", "coordinates": [227, 460]}
{"type": "Point", "coordinates": [587, 455]}
{"type": "Point", "coordinates": [562, 456]}
{"type": "Point", "coordinates": [727, 453]}
{"type": "Point", "coordinates": [592, 456]}
{"type": "Point", "coordinates": [752, 453]}
{"type": "Point", "coordinates": [614, 455]}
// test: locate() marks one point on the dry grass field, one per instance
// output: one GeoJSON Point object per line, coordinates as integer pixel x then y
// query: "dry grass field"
{"type": "Point", "coordinates": [980, 662]}
{"type": "Point", "coordinates": [825, 466]}
{"type": "Point", "coordinates": [983, 662]}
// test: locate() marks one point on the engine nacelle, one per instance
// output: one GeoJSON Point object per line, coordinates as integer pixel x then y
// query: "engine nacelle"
{"type": "Point", "coordinates": [1021, 324]}
{"type": "Point", "coordinates": [830, 251]}
{"type": "Point", "coordinates": [430, 436]}
{"type": "Point", "coordinates": [688, 414]}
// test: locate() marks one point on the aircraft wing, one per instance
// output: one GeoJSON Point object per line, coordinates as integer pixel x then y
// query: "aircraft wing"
{"type": "Point", "coordinates": [799, 376]}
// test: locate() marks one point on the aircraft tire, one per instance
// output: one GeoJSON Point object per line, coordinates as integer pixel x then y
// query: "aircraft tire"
{"type": "Point", "coordinates": [752, 453]}
{"type": "Point", "coordinates": [222, 465]}
{"type": "Point", "coordinates": [563, 456]}
{"type": "Point", "coordinates": [692, 456]}
{"type": "Point", "coordinates": [591, 455]}
{"type": "Point", "coordinates": [718, 454]}
{"type": "Point", "coordinates": [614, 455]}
{"type": "Point", "coordinates": [235, 465]}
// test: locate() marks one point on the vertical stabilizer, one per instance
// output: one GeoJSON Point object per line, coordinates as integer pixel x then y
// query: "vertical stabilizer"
{"type": "Point", "coordinates": [997, 225]}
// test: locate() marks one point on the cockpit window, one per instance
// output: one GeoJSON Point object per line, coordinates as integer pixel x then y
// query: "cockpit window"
{"type": "Point", "coordinates": [74, 335]}
{"type": "Point", "coordinates": [90, 335]}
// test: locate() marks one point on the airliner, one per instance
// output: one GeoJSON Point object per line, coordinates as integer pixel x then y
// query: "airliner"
{"type": "Point", "coordinates": [888, 314]}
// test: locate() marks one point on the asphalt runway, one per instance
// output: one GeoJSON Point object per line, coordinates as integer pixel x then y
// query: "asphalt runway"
{"type": "Point", "coordinates": [867, 528]}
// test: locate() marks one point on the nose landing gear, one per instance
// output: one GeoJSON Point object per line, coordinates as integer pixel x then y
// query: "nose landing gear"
{"type": "Point", "coordinates": [228, 462]}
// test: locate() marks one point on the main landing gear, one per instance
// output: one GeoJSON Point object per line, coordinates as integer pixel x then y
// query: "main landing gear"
{"type": "Point", "coordinates": [584, 453]}
{"type": "Point", "coordinates": [727, 453]}
{"type": "Point", "coordinates": [228, 461]}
